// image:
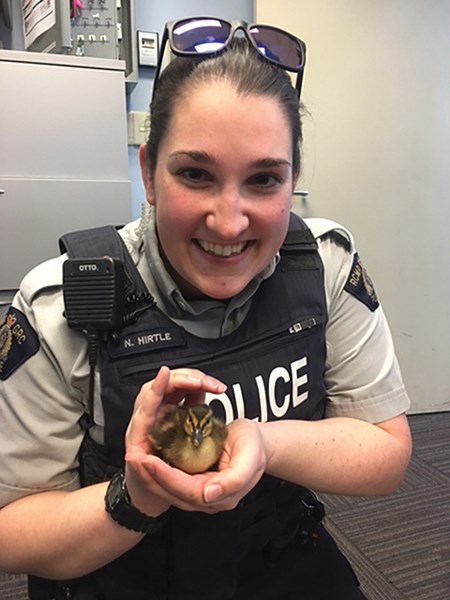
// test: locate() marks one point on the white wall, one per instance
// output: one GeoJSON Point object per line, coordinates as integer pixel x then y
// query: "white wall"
{"type": "Point", "coordinates": [377, 159]}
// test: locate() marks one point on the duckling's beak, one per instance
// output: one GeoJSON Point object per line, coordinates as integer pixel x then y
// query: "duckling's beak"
{"type": "Point", "coordinates": [197, 437]}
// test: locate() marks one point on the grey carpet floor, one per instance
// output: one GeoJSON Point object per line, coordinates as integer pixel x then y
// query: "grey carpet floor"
{"type": "Point", "coordinates": [399, 545]}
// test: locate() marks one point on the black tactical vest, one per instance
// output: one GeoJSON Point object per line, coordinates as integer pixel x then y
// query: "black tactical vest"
{"type": "Point", "coordinates": [273, 365]}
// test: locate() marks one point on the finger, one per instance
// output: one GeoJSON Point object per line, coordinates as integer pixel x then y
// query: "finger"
{"type": "Point", "coordinates": [181, 384]}
{"type": "Point", "coordinates": [152, 393]}
{"type": "Point", "coordinates": [146, 407]}
{"type": "Point", "coordinates": [241, 466]}
{"type": "Point", "coordinates": [145, 493]}
{"type": "Point", "coordinates": [226, 488]}
{"type": "Point", "coordinates": [177, 487]}
{"type": "Point", "coordinates": [165, 391]}
{"type": "Point", "coordinates": [191, 384]}
{"type": "Point", "coordinates": [187, 492]}
{"type": "Point", "coordinates": [184, 491]}
{"type": "Point", "coordinates": [196, 384]}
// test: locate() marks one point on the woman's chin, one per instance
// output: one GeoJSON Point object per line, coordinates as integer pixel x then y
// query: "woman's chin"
{"type": "Point", "coordinates": [221, 290]}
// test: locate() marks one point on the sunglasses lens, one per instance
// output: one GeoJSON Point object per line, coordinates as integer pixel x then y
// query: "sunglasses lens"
{"type": "Point", "coordinates": [279, 47]}
{"type": "Point", "coordinates": [200, 35]}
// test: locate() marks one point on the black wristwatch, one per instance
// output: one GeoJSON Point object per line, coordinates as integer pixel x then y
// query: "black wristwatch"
{"type": "Point", "coordinates": [118, 506]}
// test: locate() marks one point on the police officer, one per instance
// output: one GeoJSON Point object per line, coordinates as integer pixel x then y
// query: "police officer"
{"type": "Point", "coordinates": [271, 320]}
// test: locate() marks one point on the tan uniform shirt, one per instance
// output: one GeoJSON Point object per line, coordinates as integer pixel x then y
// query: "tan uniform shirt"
{"type": "Point", "coordinates": [42, 400]}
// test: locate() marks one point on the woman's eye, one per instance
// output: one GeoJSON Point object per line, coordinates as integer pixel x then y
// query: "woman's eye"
{"type": "Point", "coordinates": [194, 175]}
{"type": "Point", "coordinates": [265, 180]}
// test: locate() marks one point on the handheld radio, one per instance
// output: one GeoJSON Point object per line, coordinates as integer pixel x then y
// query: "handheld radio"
{"type": "Point", "coordinates": [94, 300]}
{"type": "Point", "coordinates": [94, 295]}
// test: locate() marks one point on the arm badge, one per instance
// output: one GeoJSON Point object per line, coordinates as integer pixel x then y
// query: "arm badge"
{"type": "Point", "coordinates": [18, 342]}
{"type": "Point", "coordinates": [360, 285]}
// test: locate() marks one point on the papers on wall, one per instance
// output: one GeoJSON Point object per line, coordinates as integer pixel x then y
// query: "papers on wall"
{"type": "Point", "coordinates": [38, 17]}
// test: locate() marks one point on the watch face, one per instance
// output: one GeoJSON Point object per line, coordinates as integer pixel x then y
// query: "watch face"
{"type": "Point", "coordinates": [117, 495]}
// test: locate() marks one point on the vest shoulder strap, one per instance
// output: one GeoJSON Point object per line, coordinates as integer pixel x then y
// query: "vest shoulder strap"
{"type": "Point", "coordinates": [91, 242]}
{"type": "Point", "coordinates": [104, 241]}
{"type": "Point", "coordinates": [299, 250]}
{"type": "Point", "coordinates": [299, 234]}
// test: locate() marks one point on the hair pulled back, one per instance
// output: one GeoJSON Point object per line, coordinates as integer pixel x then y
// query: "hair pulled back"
{"type": "Point", "coordinates": [244, 69]}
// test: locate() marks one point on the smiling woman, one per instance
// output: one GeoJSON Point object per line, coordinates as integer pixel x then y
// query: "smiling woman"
{"type": "Point", "coordinates": [222, 201]}
{"type": "Point", "coordinates": [230, 301]}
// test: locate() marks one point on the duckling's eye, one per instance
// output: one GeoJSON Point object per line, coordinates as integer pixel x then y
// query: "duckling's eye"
{"type": "Point", "coordinates": [189, 425]}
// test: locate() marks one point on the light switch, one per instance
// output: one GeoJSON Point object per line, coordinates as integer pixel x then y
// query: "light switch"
{"type": "Point", "coordinates": [138, 128]}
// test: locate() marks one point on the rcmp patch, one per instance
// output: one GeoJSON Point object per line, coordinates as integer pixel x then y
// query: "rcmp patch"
{"type": "Point", "coordinates": [18, 342]}
{"type": "Point", "coordinates": [360, 285]}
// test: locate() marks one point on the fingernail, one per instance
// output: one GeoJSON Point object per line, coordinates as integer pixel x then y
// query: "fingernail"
{"type": "Point", "coordinates": [219, 385]}
{"type": "Point", "coordinates": [213, 492]}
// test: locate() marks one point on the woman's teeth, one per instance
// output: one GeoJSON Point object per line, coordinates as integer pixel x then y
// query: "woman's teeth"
{"type": "Point", "coordinates": [221, 250]}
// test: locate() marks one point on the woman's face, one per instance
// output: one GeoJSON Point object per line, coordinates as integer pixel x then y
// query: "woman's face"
{"type": "Point", "coordinates": [222, 189]}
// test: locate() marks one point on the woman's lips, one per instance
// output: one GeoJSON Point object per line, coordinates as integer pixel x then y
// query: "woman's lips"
{"type": "Point", "coordinates": [222, 250]}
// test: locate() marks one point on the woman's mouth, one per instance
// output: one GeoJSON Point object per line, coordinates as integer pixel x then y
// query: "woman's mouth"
{"type": "Point", "coordinates": [222, 250]}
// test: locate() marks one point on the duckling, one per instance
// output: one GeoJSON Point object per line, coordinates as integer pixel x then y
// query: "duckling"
{"type": "Point", "coordinates": [189, 438]}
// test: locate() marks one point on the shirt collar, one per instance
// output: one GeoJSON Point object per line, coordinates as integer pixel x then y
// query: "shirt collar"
{"type": "Point", "coordinates": [175, 305]}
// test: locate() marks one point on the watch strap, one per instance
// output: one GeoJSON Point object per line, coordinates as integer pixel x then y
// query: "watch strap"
{"type": "Point", "coordinates": [118, 505]}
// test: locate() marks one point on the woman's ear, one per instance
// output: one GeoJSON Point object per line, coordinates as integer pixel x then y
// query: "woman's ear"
{"type": "Point", "coordinates": [146, 179]}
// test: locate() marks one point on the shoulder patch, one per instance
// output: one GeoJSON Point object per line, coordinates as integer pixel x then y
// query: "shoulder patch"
{"type": "Point", "coordinates": [360, 285]}
{"type": "Point", "coordinates": [18, 342]}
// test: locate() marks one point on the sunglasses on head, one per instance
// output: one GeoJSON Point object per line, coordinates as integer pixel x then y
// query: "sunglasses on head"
{"type": "Point", "coordinates": [207, 36]}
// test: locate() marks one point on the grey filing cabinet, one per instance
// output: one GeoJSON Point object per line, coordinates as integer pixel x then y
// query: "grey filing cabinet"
{"type": "Point", "coordinates": [63, 154]}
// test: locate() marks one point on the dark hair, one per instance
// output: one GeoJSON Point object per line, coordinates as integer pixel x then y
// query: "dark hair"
{"type": "Point", "coordinates": [243, 68]}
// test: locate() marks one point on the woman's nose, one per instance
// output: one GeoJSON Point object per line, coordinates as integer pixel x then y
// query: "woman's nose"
{"type": "Point", "coordinates": [227, 217]}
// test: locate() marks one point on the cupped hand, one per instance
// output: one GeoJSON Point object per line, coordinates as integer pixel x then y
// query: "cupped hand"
{"type": "Point", "coordinates": [241, 465]}
{"type": "Point", "coordinates": [154, 400]}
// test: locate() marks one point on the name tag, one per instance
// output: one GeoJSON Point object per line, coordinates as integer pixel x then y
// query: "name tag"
{"type": "Point", "coordinates": [147, 341]}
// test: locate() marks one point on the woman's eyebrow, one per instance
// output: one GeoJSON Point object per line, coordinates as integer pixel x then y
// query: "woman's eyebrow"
{"type": "Point", "coordinates": [196, 155]}
{"type": "Point", "coordinates": [271, 162]}
{"type": "Point", "coordinates": [205, 157]}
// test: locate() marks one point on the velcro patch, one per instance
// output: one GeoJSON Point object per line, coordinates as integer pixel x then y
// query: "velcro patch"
{"type": "Point", "coordinates": [360, 285]}
{"type": "Point", "coordinates": [18, 342]}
